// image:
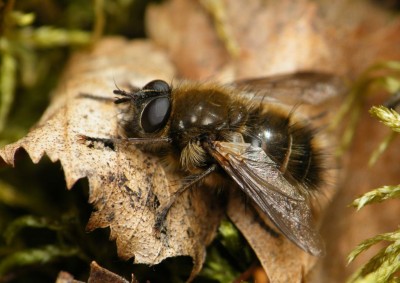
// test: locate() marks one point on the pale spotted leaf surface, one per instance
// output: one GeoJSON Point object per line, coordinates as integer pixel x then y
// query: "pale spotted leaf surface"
{"type": "Point", "coordinates": [126, 185]}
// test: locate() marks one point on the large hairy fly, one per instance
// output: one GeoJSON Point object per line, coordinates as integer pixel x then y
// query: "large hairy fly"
{"type": "Point", "coordinates": [246, 134]}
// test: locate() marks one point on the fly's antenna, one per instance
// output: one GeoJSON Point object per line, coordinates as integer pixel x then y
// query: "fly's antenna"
{"type": "Point", "coordinates": [126, 96]}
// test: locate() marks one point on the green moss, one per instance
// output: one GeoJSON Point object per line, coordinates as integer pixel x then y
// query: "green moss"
{"type": "Point", "coordinates": [385, 264]}
{"type": "Point", "coordinates": [382, 76]}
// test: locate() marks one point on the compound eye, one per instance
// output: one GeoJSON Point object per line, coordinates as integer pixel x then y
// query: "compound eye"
{"type": "Point", "coordinates": [155, 114]}
{"type": "Point", "coordinates": [157, 86]}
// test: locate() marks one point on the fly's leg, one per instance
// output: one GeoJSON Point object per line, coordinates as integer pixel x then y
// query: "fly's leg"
{"type": "Point", "coordinates": [110, 142]}
{"type": "Point", "coordinates": [164, 209]}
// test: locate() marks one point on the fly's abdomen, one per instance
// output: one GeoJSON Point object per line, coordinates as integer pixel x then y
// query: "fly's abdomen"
{"type": "Point", "coordinates": [290, 144]}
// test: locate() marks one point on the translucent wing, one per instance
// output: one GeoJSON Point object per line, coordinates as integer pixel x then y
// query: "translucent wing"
{"type": "Point", "coordinates": [260, 179]}
{"type": "Point", "coordinates": [303, 87]}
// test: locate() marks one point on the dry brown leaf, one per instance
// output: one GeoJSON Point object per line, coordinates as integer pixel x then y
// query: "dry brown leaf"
{"type": "Point", "coordinates": [98, 274]}
{"type": "Point", "coordinates": [126, 186]}
{"type": "Point", "coordinates": [65, 277]}
{"type": "Point", "coordinates": [190, 38]}
{"type": "Point", "coordinates": [282, 261]}
{"type": "Point", "coordinates": [273, 36]}
{"type": "Point", "coordinates": [342, 36]}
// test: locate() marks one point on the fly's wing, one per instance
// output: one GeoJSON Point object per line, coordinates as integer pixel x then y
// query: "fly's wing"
{"type": "Point", "coordinates": [297, 88]}
{"type": "Point", "coordinates": [260, 179]}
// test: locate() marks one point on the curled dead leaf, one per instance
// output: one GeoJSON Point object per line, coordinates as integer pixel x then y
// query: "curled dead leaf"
{"type": "Point", "coordinates": [282, 261]}
{"type": "Point", "coordinates": [98, 274]}
{"type": "Point", "coordinates": [125, 198]}
{"type": "Point", "coordinates": [65, 277]}
{"type": "Point", "coordinates": [126, 185]}
{"type": "Point", "coordinates": [343, 37]}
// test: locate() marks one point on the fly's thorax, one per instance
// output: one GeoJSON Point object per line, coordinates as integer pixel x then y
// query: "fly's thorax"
{"type": "Point", "coordinates": [203, 112]}
{"type": "Point", "coordinates": [204, 109]}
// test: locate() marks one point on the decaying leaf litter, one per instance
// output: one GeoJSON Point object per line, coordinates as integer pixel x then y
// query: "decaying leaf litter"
{"type": "Point", "coordinates": [126, 185]}
{"type": "Point", "coordinates": [342, 37]}
{"type": "Point", "coordinates": [93, 83]}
